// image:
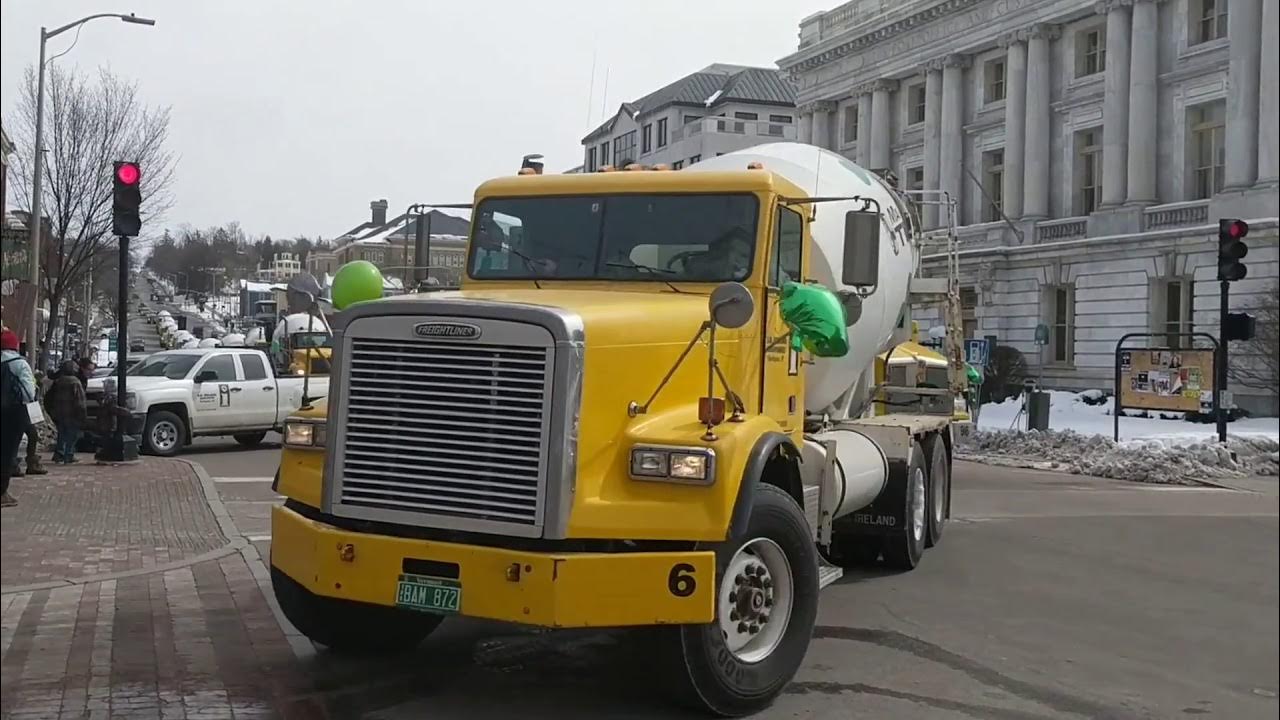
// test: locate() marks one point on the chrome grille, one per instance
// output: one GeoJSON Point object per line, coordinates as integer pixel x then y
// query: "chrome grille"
{"type": "Point", "coordinates": [455, 429]}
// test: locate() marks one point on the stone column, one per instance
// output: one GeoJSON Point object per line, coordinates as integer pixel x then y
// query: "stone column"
{"type": "Point", "coordinates": [1244, 22]}
{"type": "Point", "coordinates": [1035, 203]}
{"type": "Point", "coordinates": [862, 152]}
{"type": "Point", "coordinates": [1115, 103]}
{"type": "Point", "coordinates": [1143, 97]}
{"type": "Point", "coordinates": [951, 154]}
{"type": "Point", "coordinates": [822, 110]}
{"type": "Point", "coordinates": [881, 121]}
{"type": "Point", "coordinates": [804, 124]}
{"type": "Point", "coordinates": [1015, 123]}
{"type": "Point", "coordinates": [1269, 104]}
{"type": "Point", "coordinates": [932, 137]}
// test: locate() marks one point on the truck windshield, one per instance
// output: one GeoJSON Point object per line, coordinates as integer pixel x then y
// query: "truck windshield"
{"type": "Point", "coordinates": [174, 367]}
{"type": "Point", "coordinates": [671, 238]}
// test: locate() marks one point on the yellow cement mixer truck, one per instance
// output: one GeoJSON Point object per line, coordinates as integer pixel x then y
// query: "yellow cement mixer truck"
{"type": "Point", "coordinates": [618, 420]}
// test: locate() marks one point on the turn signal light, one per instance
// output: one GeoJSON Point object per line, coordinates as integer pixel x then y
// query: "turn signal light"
{"type": "Point", "coordinates": [710, 410]}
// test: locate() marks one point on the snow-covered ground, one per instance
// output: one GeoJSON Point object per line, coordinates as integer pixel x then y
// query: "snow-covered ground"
{"type": "Point", "coordinates": [1151, 449]}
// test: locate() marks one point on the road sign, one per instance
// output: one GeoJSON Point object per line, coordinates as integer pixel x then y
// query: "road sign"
{"type": "Point", "coordinates": [1042, 334]}
{"type": "Point", "coordinates": [976, 352]}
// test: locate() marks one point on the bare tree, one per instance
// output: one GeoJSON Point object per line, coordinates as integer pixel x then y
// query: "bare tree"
{"type": "Point", "coordinates": [90, 122]}
{"type": "Point", "coordinates": [1256, 363]}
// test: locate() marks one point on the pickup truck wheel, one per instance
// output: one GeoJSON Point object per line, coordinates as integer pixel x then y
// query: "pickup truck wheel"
{"type": "Point", "coordinates": [902, 551]}
{"type": "Point", "coordinates": [350, 627]}
{"type": "Point", "coordinates": [766, 607]}
{"type": "Point", "coordinates": [939, 487]}
{"type": "Point", "coordinates": [164, 433]}
{"type": "Point", "coordinates": [252, 439]}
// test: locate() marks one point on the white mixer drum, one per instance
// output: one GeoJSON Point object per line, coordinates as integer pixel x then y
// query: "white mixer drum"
{"type": "Point", "coordinates": [821, 173]}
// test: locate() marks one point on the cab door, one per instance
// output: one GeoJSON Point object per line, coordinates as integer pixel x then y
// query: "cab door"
{"type": "Point", "coordinates": [216, 391]}
{"type": "Point", "coordinates": [782, 390]}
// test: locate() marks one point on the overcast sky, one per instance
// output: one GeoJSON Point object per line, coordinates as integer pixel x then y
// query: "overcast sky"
{"type": "Point", "coordinates": [290, 116]}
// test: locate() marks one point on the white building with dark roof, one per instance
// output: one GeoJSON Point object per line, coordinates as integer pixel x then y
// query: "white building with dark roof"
{"type": "Point", "coordinates": [1090, 149]}
{"type": "Point", "coordinates": [718, 109]}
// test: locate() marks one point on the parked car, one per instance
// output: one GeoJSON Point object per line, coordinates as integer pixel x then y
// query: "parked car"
{"type": "Point", "coordinates": [177, 395]}
{"type": "Point", "coordinates": [137, 346]}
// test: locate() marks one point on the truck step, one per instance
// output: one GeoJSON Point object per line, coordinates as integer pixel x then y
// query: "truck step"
{"type": "Point", "coordinates": [828, 573]}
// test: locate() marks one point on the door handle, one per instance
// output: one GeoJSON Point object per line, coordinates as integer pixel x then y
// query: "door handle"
{"type": "Point", "coordinates": [236, 389]}
{"type": "Point", "coordinates": [268, 388]}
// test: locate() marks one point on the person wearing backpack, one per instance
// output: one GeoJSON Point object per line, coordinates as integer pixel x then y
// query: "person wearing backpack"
{"type": "Point", "coordinates": [17, 388]}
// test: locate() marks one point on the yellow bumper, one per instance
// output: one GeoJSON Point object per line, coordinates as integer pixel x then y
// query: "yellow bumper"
{"type": "Point", "coordinates": [547, 589]}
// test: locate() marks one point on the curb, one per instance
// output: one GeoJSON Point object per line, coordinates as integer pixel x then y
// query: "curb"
{"type": "Point", "coordinates": [298, 643]}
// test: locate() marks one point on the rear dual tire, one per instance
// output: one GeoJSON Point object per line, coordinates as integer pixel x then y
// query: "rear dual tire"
{"type": "Point", "coordinates": [766, 608]}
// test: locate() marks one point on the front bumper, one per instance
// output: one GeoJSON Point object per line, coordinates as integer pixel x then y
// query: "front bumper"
{"type": "Point", "coordinates": [533, 588]}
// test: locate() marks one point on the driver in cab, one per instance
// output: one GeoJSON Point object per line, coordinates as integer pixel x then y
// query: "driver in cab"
{"type": "Point", "coordinates": [727, 258]}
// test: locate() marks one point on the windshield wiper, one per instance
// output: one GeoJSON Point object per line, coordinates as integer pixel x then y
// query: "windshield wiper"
{"type": "Point", "coordinates": [648, 269]}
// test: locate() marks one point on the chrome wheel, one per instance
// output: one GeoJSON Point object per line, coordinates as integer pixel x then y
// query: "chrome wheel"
{"type": "Point", "coordinates": [756, 598]}
{"type": "Point", "coordinates": [164, 436]}
{"type": "Point", "coordinates": [917, 502]}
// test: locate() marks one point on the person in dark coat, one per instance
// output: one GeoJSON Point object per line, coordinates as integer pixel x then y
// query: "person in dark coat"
{"type": "Point", "coordinates": [66, 405]}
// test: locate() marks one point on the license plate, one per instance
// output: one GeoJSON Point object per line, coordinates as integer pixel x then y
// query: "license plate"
{"type": "Point", "coordinates": [428, 594]}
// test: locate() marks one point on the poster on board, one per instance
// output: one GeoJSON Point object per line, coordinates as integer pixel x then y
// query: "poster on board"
{"type": "Point", "coordinates": [1165, 379]}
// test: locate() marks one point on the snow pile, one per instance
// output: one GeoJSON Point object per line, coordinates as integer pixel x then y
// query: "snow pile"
{"type": "Point", "coordinates": [1148, 460]}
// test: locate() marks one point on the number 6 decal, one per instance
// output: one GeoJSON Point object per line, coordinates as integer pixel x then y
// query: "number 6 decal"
{"type": "Point", "coordinates": [681, 582]}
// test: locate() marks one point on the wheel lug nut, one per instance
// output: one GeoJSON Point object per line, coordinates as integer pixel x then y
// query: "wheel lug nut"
{"type": "Point", "coordinates": [739, 579]}
{"type": "Point", "coordinates": [768, 583]}
{"type": "Point", "coordinates": [733, 615]}
{"type": "Point", "coordinates": [768, 602]}
{"type": "Point", "coordinates": [754, 628]}
{"type": "Point", "coordinates": [743, 627]}
{"type": "Point", "coordinates": [733, 597]}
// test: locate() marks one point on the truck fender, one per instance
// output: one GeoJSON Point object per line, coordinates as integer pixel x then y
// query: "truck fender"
{"type": "Point", "coordinates": [767, 447]}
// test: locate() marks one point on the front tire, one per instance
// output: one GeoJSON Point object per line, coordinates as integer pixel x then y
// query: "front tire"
{"type": "Point", "coordinates": [164, 433]}
{"type": "Point", "coordinates": [902, 551]}
{"type": "Point", "coordinates": [251, 439]}
{"type": "Point", "coordinates": [766, 607]}
{"type": "Point", "coordinates": [350, 627]}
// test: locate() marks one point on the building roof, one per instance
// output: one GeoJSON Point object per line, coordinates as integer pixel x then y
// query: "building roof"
{"type": "Point", "coordinates": [709, 87]}
{"type": "Point", "coordinates": [402, 226]}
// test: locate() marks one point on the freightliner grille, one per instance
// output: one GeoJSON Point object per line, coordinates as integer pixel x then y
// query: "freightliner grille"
{"type": "Point", "coordinates": [443, 428]}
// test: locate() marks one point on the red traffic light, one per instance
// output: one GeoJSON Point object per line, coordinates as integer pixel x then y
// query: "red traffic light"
{"type": "Point", "coordinates": [1238, 229]}
{"type": "Point", "coordinates": [128, 173]}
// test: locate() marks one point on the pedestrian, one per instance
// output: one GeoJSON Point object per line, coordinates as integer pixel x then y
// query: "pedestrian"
{"type": "Point", "coordinates": [17, 388]}
{"type": "Point", "coordinates": [66, 405]}
{"type": "Point", "coordinates": [87, 366]}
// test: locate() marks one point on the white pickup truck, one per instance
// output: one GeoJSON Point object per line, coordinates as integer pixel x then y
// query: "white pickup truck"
{"type": "Point", "coordinates": [176, 395]}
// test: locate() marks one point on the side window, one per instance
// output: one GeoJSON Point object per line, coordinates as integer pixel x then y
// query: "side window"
{"type": "Point", "coordinates": [787, 248]}
{"type": "Point", "coordinates": [223, 365]}
{"type": "Point", "coordinates": [254, 367]}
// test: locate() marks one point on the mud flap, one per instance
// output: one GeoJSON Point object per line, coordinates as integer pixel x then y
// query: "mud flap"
{"type": "Point", "coordinates": [886, 514]}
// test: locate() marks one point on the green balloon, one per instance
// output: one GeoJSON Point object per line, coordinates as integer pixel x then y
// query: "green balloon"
{"type": "Point", "coordinates": [355, 282]}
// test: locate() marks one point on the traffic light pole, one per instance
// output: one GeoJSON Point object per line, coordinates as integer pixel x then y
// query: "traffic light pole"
{"type": "Point", "coordinates": [1221, 383]}
{"type": "Point", "coordinates": [121, 446]}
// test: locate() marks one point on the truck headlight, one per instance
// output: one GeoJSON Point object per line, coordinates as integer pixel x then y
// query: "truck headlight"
{"type": "Point", "coordinates": [302, 434]}
{"type": "Point", "coordinates": [673, 464]}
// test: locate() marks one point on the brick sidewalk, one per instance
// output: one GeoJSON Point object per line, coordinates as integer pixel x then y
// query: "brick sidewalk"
{"type": "Point", "coordinates": [124, 599]}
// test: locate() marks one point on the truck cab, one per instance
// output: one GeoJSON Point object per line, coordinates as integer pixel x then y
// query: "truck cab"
{"type": "Point", "coordinates": [622, 418]}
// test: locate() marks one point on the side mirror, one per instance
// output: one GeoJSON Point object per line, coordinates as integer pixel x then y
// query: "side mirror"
{"type": "Point", "coordinates": [205, 376]}
{"type": "Point", "coordinates": [731, 305]}
{"type": "Point", "coordinates": [861, 266]}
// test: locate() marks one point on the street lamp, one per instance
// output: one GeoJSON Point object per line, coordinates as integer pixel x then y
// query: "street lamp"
{"type": "Point", "coordinates": [38, 170]}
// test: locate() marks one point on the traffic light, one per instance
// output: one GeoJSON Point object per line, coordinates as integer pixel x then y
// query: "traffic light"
{"type": "Point", "coordinates": [1231, 249]}
{"type": "Point", "coordinates": [126, 184]}
{"type": "Point", "coordinates": [1239, 326]}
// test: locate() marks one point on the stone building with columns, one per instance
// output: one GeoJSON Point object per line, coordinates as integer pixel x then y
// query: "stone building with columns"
{"type": "Point", "coordinates": [1089, 149]}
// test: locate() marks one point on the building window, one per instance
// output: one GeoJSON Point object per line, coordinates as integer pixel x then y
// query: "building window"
{"type": "Point", "coordinates": [604, 153]}
{"type": "Point", "coordinates": [1174, 306]}
{"type": "Point", "coordinates": [969, 310]}
{"type": "Point", "coordinates": [1091, 51]}
{"type": "Point", "coordinates": [746, 116]}
{"type": "Point", "coordinates": [915, 104]}
{"type": "Point", "coordinates": [677, 165]}
{"type": "Point", "coordinates": [591, 158]}
{"type": "Point", "coordinates": [994, 81]}
{"type": "Point", "coordinates": [662, 132]}
{"type": "Point", "coordinates": [695, 159]}
{"type": "Point", "coordinates": [849, 128]}
{"type": "Point", "coordinates": [1062, 315]}
{"type": "Point", "coordinates": [1207, 20]}
{"type": "Point", "coordinates": [784, 119]}
{"type": "Point", "coordinates": [624, 149]}
{"type": "Point", "coordinates": [1207, 127]}
{"type": "Point", "coordinates": [646, 138]}
{"type": "Point", "coordinates": [1088, 171]}
{"type": "Point", "coordinates": [915, 178]}
{"type": "Point", "coordinates": [993, 184]}
{"type": "Point", "coordinates": [691, 118]}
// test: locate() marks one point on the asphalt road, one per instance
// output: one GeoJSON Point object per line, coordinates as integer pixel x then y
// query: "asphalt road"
{"type": "Point", "coordinates": [1051, 596]}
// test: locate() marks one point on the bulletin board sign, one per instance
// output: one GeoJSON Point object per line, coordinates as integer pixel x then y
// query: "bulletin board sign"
{"type": "Point", "coordinates": [1165, 379]}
